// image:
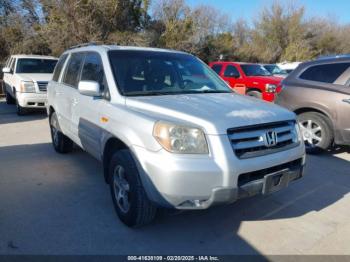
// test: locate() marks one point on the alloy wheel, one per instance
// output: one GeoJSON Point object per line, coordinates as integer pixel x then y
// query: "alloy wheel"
{"type": "Point", "coordinates": [121, 189]}
{"type": "Point", "coordinates": [312, 132]}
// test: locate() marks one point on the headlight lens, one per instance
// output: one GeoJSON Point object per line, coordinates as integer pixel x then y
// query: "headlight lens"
{"type": "Point", "coordinates": [27, 87]}
{"type": "Point", "coordinates": [180, 139]}
{"type": "Point", "coordinates": [298, 135]}
{"type": "Point", "coordinates": [270, 88]}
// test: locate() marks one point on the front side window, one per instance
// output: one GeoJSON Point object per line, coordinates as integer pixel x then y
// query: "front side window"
{"type": "Point", "coordinates": [73, 69]}
{"type": "Point", "coordinates": [255, 70]}
{"type": "Point", "coordinates": [35, 66]}
{"type": "Point", "coordinates": [12, 64]}
{"type": "Point", "coordinates": [93, 69]}
{"type": "Point", "coordinates": [231, 71]}
{"type": "Point", "coordinates": [59, 67]}
{"type": "Point", "coordinates": [161, 73]}
{"type": "Point", "coordinates": [326, 73]}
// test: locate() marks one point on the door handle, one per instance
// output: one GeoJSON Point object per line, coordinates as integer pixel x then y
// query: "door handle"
{"type": "Point", "coordinates": [346, 101]}
{"type": "Point", "coordinates": [74, 101]}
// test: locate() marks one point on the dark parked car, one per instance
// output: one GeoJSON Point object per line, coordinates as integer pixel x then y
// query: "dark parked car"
{"type": "Point", "coordinates": [319, 93]}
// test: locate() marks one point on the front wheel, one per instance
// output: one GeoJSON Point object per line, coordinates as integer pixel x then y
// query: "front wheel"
{"type": "Point", "coordinates": [129, 197]}
{"type": "Point", "coordinates": [9, 98]}
{"type": "Point", "coordinates": [61, 143]}
{"type": "Point", "coordinates": [21, 111]}
{"type": "Point", "coordinates": [255, 94]}
{"type": "Point", "coordinates": [316, 131]}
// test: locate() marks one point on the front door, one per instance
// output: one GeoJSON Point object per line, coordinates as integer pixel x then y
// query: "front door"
{"type": "Point", "coordinates": [232, 76]}
{"type": "Point", "coordinates": [86, 118]}
{"type": "Point", "coordinates": [343, 111]}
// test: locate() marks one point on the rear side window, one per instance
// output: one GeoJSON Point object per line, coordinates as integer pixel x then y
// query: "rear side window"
{"type": "Point", "coordinates": [327, 73]}
{"type": "Point", "coordinates": [58, 68]}
{"type": "Point", "coordinates": [73, 69]}
{"type": "Point", "coordinates": [231, 71]}
{"type": "Point", "coordinates": [217, 68]}
{"type": "Point", "coordinates": [93, 69]}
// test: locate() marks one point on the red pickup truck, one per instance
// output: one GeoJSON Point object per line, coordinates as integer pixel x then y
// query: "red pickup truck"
{"type": "Point", "coordinates": [253, 78]}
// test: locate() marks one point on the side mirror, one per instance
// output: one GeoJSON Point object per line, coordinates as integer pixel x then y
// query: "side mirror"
{"type": "Point", "coordinates": [7, 70]}
{"type": "Point", "coordinates": [89, 88]}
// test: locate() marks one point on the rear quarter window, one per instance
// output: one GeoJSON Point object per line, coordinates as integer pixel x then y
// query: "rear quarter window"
{"type": "Point", "coordinates": [326, 73]}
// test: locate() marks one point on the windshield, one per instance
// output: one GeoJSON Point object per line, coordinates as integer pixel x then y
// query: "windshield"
{"type": "Point", "coordinates": [140, 73]}
{"type": "Point", "coordinates": [255, 70]}
{"type": "Point", "coordinates": [34, 65]}
{"type": "Point", "coordinates": [275, 70]}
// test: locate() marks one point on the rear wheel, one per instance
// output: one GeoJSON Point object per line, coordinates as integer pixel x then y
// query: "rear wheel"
{"type": "Point", "coordinates": [61, 143]}
{"type": "Point", "coordinates": [316, 131]}
{"type": "Point", "coordinates": [129, 197]}
{"type": "Point", "coordinates": [255, 94]}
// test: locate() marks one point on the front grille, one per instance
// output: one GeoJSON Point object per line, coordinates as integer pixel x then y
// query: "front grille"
{"type": "Point", "coordinates": [42, 86]}
{"type": "Point", "coordinates": [260, 174]}
{"type": "Point", "coordinates": [250, 141]}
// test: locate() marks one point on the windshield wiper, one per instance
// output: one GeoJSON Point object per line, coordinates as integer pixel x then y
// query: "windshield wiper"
{"type": "Point", "coordinates": [152, 93]}
{"type": "Point", "coordinates": [161, 93]}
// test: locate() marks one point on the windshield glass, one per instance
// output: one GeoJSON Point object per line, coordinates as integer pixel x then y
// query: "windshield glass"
{"type": "Point", "coordinates": [275, 70]}
{"type": "Point", "coordinates": [141, 73]}
{"type": "Point", "coordinates": [31, 65]}
{"type": "Point", "coordinates": [255, 70]}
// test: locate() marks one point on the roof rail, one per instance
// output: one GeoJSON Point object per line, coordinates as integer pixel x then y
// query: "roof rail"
{"type": "Point", "coordinates": [83, 44]}
{"type": "Point", "coordinates": [333, 56]}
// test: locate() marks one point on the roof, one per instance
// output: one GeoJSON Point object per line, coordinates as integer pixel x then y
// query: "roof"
{"type": "Point", "coordinates": [232, 62]}
{"type": "Point", "coordinates": [34, 56]}
{"type": "Point", "coordinates": [90, 47]}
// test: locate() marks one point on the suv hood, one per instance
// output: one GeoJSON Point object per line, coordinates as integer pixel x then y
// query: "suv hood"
{"type": "Point", "coordinates": [215, 113]}
{"type": "Point", "coordinates": [266, 79]}
{"type": "Point", "coordinates": [35, 77]}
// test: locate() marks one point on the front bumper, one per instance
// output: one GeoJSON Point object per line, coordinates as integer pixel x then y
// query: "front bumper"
{"type": "Point", "coordinates": [32, 100]}
{"type": "Point", "coordinates": [198, 182]}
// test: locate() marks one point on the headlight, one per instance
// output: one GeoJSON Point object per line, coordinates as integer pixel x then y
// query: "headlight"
{"type": "Point", "coordinates": [27, 87]}
{"type": "Point", "coordinates": [298, 135]}
{"type": "Point", "coordinates": [270, 88]}
{"type": "Point", "coordinates": [180, 139]}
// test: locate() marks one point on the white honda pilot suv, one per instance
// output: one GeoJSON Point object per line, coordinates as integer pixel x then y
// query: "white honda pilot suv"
{"type": "Point", "coordinates": [169, 132]}
{"type": "Point", "coordinates": [25, 80]}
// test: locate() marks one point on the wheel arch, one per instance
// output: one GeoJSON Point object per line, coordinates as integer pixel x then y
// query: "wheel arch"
{"type": "Point", "coordinates": [316, 110]}
{"type": "Point", "coordinates": [251, 89]}
{"type": "Point", "coordinates": [112, 145]}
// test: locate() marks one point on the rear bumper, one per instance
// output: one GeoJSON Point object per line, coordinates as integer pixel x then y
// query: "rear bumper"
{"type": "Point", "coordinates": [32, 100]}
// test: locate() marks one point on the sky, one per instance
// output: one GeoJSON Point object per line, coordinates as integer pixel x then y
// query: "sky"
{"type": "Point", "coordinates": [339, 10]}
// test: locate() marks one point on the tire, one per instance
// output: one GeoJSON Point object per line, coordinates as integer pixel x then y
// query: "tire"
{"type": "Point", "coordinates": [61, 143]}
{"type": "Point", "coordinates": [9, 98]}
{"type": "Point", "coordinates": [21, 111]}
{"type": "Point", "coordinates": [317, 132]}
{"type": "Point", "coordinates": [130, 201]}
{"type": "Point", "coordinates": [255, 94]}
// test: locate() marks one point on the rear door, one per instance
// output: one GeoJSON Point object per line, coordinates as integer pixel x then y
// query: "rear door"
{"type": "Point", "coordinates": [334, 82]}
{"type": "Point", "coordinates": [69, 90]}
{"type": "Point", "coordinates": [86, 118]}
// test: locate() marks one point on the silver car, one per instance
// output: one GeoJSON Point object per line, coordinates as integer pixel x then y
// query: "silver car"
{"type": "Point", "coordinates": [169, 132]}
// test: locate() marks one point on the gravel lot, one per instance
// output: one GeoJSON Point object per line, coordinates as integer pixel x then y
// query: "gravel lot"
{"type": "Point", "coordinates": [59, 204]}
